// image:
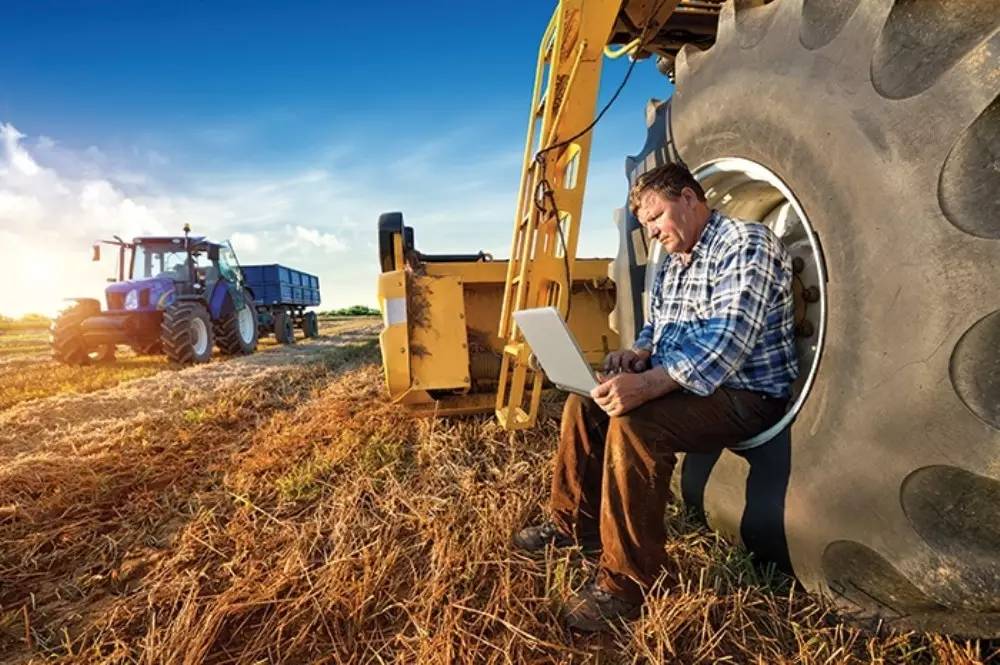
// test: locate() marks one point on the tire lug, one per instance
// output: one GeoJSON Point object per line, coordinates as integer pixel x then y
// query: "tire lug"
{"type": "Point", "coordinates": [804, 329]}
{"type": "Point", "coordinates": [798, 264]}
{"type": "Point", "coordinates": [811, 294]}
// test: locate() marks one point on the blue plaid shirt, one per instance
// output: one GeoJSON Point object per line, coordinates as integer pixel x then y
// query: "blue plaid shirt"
{"type": "Point", "coordinates": [725, 319]}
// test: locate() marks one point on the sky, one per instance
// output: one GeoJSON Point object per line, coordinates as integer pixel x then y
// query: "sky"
{"type": "Point", "coordinates": [285, 128]}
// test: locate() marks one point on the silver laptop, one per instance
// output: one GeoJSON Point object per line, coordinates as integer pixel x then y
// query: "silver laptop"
{"type": "Point", "coordinates": [556, 349]}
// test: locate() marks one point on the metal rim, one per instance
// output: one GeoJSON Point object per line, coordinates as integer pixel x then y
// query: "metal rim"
{"type": "Point", "coordinates": [199, 336]}
{"type": "Point", "coordinates": [100, 352]}
{"type": "Point", "coordinates": [245, 321]}
{"type": "Point", "coordinates": [745, 189]}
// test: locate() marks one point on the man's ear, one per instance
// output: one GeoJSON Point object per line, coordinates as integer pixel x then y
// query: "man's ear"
{"type": "Point", "coordinates": [689, 196]}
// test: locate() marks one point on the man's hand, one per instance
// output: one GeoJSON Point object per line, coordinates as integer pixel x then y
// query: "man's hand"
{"type": "Point", "coordinates": [625, 360]}
{"type": "Point", "coordinates": [622, 393]}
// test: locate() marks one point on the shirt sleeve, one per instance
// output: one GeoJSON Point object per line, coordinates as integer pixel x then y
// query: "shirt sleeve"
{"type": "Point", "coordinates": [717, 348]}
{"type": "Point", "coordinates": [644, 340]}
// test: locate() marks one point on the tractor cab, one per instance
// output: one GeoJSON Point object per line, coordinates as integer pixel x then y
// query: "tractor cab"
{"type": "Point", "coordinates": [155, 270]}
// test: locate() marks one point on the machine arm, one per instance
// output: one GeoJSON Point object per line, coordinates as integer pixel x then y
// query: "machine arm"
{"type": "Point", "coordinates": [554, 173]}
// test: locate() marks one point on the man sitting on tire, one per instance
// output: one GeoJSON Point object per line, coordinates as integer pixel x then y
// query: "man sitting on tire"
{"type": "Point", "coordinates": [713, 366]}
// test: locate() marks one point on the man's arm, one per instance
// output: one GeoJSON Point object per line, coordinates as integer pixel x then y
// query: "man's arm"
{"type": "Point", "coordinates": [716, 349]}
{"type": "Point", "coordinates": [644, 340]}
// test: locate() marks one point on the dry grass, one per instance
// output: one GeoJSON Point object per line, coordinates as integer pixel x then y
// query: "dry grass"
{"type": "Point", "coordinates": [306, 520]}
{"type": "Point", "coordinates": [27, 371]}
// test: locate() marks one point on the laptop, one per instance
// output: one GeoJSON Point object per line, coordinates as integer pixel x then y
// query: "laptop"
{"type": "Point", "coordinates": [556, 349]}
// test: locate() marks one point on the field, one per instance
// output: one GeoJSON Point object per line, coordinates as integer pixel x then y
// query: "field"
{"type": "Point", "coordinates": [275, 509]}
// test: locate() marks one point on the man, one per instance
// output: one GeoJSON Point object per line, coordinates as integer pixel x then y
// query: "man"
{"type": "Point", "coordinates": [713, 366]}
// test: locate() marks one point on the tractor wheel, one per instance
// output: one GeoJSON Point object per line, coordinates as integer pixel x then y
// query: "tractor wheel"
{"type": "Point", "coordinates": [153, 348]}
{"type": "Point", "coordinates": [284, 330]}
{"type": "Point", "coordinates": [102, 355]}
{"type": "Point", "coordinates": [186, 333]}
{"type": "Point", "coordinates": [310, 325]}
{"type": "Point", "coordinates": [236, 333]}
{"type": "Point", "coordinates": [65, 338]}
{"type": "Point", "coordinates": [874, 128]}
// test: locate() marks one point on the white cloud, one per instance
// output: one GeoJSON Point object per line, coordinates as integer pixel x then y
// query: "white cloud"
{"type": "Point", "coordinates": [15, 155]}
{"type": "Point", "coordinates": [326, 241]}
{"type": "Point", "coordinates": [247, 241]}
{"type": "Point", "coordinates": [318, 216]}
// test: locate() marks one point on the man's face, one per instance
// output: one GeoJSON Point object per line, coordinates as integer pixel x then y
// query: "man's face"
{"type": "Point", "coordinates": [674, 223]}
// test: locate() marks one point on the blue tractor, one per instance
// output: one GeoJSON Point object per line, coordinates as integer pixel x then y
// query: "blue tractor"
{"type": "Point", "coordinates": [179, 296]}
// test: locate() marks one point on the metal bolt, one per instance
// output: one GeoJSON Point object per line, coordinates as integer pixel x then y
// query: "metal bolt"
{"type": "Point", "coordinates": [798, 264]}
{"type": "Point", "coordinates": [811, 294]}
{"type": "Point", "coordinates": [804, 329]}
{"type": "Point", "coordinates": [461, 316]}
{"type": "Point", "coordinates": [403, 350]}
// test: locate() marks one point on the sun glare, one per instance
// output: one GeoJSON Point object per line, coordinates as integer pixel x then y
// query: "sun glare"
{"type": "Point", "coordinates": [47, 277]}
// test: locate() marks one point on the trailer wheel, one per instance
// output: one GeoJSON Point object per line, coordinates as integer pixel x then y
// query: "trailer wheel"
{"type": "Point", "coordinates": [66, 339]}
{"type": "Point", "coordinates": [881, 121]}
{"type": "Point", "coordinates": [236, 333]}
{"type": "Point", "coordinates": [186, 333]}
{"type": "Point", "coordinates": [284, 330]}
{"type": "Point", "coordinates": [310, 325]}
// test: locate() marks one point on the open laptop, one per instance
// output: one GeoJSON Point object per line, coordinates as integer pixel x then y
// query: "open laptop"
{"type": "Point", "coordinates": [556, 349]}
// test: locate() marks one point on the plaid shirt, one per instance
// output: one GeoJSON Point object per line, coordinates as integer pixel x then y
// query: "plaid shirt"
{"type": "Point", "coordinates": [725, 318]}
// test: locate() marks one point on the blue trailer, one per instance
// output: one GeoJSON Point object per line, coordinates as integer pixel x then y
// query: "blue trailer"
{"type": "Point", "coordinates": [281, 295]}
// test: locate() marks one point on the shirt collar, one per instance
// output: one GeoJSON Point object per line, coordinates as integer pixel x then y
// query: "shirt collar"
{"type": "Point", "coordinates": [707, 235]}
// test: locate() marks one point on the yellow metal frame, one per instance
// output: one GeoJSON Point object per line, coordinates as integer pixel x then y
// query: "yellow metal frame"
{"type": "Point", "coordinates": [543, 248]}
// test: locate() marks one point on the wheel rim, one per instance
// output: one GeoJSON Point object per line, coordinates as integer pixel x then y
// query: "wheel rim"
{"type": "Point", "coordinates": [744, 189]}
{"type": "Point", "coordinates": [98, 353]}
{"type": "Point", "coordinates": [199, 336]}
{"type": "Point", "coordinates": [245, 321]}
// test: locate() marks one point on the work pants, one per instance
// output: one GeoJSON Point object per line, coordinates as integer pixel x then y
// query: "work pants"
{"type": "Point", "coordinates": [612, 475]}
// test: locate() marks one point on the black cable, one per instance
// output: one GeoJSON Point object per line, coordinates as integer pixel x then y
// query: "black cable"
{"type": "Point", "coordinates": [621, 86]}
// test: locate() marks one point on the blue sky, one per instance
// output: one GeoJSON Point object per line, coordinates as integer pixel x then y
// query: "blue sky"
{"type": "Point", "coordinates": [288, 129]}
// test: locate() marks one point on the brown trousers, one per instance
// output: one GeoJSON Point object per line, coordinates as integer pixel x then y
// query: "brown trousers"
{"type": "Point", "coordinates": [612, 475]}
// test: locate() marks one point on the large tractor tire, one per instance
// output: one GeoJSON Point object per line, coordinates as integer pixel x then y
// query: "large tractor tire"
{"type": "Point", "coordinates": [66, 339]}
{"type": "Point", "coordinates": [310, 325]}
{"type": "Point", "coordinates": [284, 329]}
{"type": "Point", "coordinates": [881, 121]}
{"type": "Point", "coordinates": [236, 333]}
{"type": "Point", "coordinates": [186, 333]}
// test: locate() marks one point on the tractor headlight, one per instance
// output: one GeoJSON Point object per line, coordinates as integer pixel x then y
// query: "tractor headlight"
{"type": "Point", "coordinates": [132, 299]}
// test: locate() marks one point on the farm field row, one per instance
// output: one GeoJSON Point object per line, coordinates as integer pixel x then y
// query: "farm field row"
{"type": "Point", "coordinates": [27, 372]}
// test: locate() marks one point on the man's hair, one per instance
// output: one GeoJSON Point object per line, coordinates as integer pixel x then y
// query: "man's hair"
{"type": "Point", "coordinates": [668, 180]}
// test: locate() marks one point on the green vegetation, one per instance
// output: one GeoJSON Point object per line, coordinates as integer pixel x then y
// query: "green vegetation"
{"type": "Point", "coordinates": [26, 322]}
{"type": "Point", "coordinates": [353, 310]}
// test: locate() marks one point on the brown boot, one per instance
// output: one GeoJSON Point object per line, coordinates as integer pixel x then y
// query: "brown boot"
{"type": "Point", "coordinates": [538, 537]}
{"type": "Point", "coordinates": [593, 609]}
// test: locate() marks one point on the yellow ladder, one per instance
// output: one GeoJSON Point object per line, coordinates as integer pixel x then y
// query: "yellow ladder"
{"type": "Point", "coordinates": [550, 196]}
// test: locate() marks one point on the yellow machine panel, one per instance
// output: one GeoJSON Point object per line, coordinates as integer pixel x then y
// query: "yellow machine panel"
{"type": "Point", "coordinates": [439, 352]}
